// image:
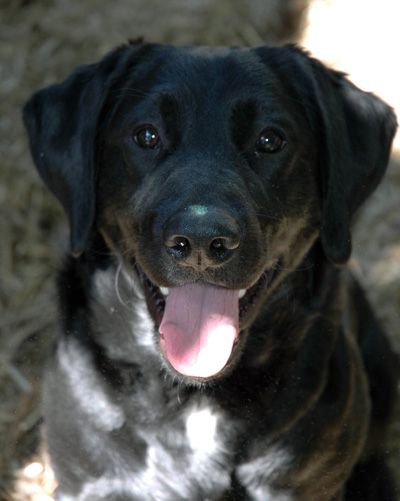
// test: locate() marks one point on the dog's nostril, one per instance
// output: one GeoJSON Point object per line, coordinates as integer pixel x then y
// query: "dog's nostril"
{"type": "Point", "coordinates": [178, 243]}
{"type": "Point", "coordinates": [217, 244]}
{"type": "Point", "coordinates": [181, 243]}
{"type": "Point", "coordinates": [222, 243]}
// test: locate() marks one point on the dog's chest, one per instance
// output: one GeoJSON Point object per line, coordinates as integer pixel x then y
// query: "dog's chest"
{"type": "Point", "coordinates": [178, 446]}
{"type": "Point", "coordinates": [197, 455]}
{"type": "Point", "coordinates": [185, 454]}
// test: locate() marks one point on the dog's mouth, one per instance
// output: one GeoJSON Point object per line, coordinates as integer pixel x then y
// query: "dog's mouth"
{"type": "Point", "coordinates": [199, 323]}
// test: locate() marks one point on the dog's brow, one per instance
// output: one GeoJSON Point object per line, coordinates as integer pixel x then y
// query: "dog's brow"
{"type": "Point", "coordinates": [169, 111]}
{"type": "Point", "coordinates": [168, 106]}
{"type": "Point", "coordinates": [243, 116]}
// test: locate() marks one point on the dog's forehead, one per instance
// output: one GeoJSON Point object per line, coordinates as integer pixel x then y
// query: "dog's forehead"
{"type": "Point", "coordinates": [203, 78]}
{"type": "Point", "coordinates": [217, 68]}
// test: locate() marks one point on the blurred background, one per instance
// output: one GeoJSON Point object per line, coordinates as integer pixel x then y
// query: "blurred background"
{"type": "Point", "coordinates": [40, 43]}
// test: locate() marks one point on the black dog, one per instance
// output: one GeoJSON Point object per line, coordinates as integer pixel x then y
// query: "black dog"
{"type": "Point", "coordinates": [211, 347]}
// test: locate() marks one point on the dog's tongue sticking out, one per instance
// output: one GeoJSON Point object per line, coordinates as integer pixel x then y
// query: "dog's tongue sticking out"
{"type": "Point", "coordinates": [199, 326]}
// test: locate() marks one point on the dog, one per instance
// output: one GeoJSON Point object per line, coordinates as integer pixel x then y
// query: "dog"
{"type": "Point", "coordinates": [213, 344]}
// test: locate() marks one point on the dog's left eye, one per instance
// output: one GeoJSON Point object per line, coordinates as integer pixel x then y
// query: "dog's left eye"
{"type": "Point", "coordinates": [270, 141]}
{"type": "Point", "coordinates": [147, 138]}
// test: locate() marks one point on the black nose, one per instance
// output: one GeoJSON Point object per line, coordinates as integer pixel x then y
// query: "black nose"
{"type": "Point", "coordinates": [201, 237]}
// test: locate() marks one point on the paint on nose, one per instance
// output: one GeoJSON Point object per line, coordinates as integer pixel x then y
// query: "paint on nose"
{"type": "Point", "coordinates": [200, 210]}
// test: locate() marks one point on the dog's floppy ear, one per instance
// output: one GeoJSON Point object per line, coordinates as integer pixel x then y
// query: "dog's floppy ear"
{"type": "Point", "coordinates": [62, 122]}
{"type": "Point", "coordinates": [356, 131]}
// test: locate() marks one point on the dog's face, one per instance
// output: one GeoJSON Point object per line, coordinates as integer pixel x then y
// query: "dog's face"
{"type": "Point", "coordinates": [210, 172]}
{"type": "Point", "coordinates": [208, 183]}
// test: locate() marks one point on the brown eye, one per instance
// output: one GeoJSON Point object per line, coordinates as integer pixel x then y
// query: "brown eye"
{"type": "Point", "coordinates": [147, 138]}
{"type": "Point", "coordinates": [270, 141]}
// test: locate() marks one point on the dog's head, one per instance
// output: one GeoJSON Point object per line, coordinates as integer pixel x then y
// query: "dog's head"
{"type": "Point", "coordinates": [208, 171]}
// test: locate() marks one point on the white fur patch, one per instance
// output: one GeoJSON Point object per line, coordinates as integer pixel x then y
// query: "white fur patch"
{"type": "Point", "coordinates": [260, 475]}
{"type": "Point", "coordinates": [91, 399]}
{"type": "Point", "coordinates": [201, 426]}
{"type": "Point", "coordinates": [120, 293]}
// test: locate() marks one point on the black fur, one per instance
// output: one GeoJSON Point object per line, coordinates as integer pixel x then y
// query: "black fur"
{"type": "Point", "coordinates": [300, 410]}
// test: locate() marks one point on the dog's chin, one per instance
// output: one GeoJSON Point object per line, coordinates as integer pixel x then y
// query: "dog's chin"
{"type": "Point", "coordinates": [214, 365]}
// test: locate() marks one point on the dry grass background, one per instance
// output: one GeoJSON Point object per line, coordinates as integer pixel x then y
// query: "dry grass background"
{"type": "Point", "coordinates": [40, 43]}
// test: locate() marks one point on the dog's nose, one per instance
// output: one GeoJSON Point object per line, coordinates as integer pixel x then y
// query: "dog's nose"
{"type": "Point", "coordinates": [201, 237]}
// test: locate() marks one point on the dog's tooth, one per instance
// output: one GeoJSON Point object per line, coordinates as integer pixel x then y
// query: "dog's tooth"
{"type": "Point", "coordinates": [164, 291]}
{"type": "Point", "coordinates": [242, 292]}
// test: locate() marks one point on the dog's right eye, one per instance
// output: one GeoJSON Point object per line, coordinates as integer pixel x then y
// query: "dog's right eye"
{"type": "Point", "coordinates": [270, 141]}
{"type": "Point", "coordinates": [147, 137]}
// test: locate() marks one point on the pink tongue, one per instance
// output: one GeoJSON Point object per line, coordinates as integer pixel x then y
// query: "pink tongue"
{"type": "Point", "coordinates": [199, 326]}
